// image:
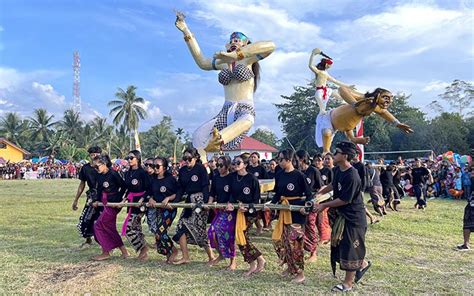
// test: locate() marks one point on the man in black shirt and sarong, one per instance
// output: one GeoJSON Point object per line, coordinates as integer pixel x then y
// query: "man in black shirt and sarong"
{"type": "Point", "coordinates": [89, 214]}
{"type": "Point", "coordinates": [348, 231]}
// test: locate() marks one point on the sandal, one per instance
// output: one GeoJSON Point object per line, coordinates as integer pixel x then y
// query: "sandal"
{"type": "Point", "coordinates": [360, 273]}
{"type": "Point", "coordinates": [340, 288]}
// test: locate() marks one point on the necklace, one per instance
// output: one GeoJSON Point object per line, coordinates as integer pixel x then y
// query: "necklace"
{"type": "Point", "coordinates": [241, 177]}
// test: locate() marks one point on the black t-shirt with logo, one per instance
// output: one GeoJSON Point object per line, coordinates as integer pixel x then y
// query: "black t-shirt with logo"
{"type": "Point", "coordinates": [258, 171]}
{"type": "Point", "coordinates": [162, 188]}
{"type": "Point", "coordinates": [291, 184]}
{"type": "Point", "coordinates": [89, 175]}
{"type": "Point", "coordinates": [220, 188]}
{"type": "Point", "coordinates": [313, 177]}
{"type": "Point", "coordinates": [347, 187]}
{"type": "Point", "coordinates": [112, 184]}
{"type": "Point", "coordinates": [244, 189]}
{"type": "Point", "coordinates": [326, 175]}
{"type": "Point", "coordinates": [193, 180]}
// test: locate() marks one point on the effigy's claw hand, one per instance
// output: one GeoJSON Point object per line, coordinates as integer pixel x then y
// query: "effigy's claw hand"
{"type": "Point", "coordinates": [406, 128]}
{"type": "Point", "coordinates": [316, 51]}
{"type": "Point", "coordinates": [180, 23]}
{"type": "Point", "coordinates": [215, 142]}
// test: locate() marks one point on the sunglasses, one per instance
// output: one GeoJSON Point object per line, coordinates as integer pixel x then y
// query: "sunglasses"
{"type": "Point", "coordinates": [150, 165]}
{"type": "Point", "coordinates": [157, 166]}
{"type": "Point", "coordinates": [237, 162]}
{"type": "Point", "coordinates": [97, 166]}
{"type": "Point", "coordinates": [220, 165]}
{"type": "Point", "coordinates": [187, 158]}
{"type": "Point", "coordinates": [130, 157]}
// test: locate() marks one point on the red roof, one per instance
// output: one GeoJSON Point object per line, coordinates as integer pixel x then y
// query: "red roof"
{"type": "Point", "coordinates": [251, 144]}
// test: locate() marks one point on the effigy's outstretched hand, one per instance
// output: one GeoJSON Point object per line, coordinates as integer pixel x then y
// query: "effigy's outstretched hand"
{"type": "Point", "coordinates": [316, 51]}
{"type": "Point", "coordinates": [404, 127]}
{"type": "Point", "coordinates": [180, 23]}
{"type": "Point", "coordinates": [215, 142]}
{"type": "Point", "coordinates": [226, 57]}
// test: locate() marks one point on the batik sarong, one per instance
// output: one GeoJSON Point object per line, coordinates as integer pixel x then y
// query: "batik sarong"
{"type": "Point", "coordinates": [194, 226]}
{"type": "Point", "coordinates": [290, 248]}
{"type": "Point", "coordinates": [159, 221]}
{"type": "Point", "coordinates": [221, 233]}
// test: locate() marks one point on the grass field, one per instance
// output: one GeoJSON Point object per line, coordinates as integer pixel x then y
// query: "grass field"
{"type": "Point", "coordinates": [412, 253]}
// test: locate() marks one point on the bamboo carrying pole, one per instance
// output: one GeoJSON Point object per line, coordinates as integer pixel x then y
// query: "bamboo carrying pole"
{"type": "Point", "coordinates": [200, 206]}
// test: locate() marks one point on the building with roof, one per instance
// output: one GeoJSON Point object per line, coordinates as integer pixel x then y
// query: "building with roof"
{"type": "Point", "coordinates": [11, 152]}
{"type": "Point", "coordinates": [250, 145]}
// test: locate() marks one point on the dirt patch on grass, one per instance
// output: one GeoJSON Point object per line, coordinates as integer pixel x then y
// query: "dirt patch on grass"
{"type": "Point", "coordinates": [74, 278]}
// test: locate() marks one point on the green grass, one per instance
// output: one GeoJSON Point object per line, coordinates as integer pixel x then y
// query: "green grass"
{"type": "Point", "coordinates": [412, 253]}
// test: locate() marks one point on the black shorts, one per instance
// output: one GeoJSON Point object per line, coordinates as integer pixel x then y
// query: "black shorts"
{"type": "Point", "coordinates": [468, 222]}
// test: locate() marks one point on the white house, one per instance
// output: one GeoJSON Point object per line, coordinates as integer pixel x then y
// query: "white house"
{"type": "Point", "coordinates": [250, 145]}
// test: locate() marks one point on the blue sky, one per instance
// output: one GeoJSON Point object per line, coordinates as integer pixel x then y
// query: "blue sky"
{"type": "Point", "coordinates": [416, 47]}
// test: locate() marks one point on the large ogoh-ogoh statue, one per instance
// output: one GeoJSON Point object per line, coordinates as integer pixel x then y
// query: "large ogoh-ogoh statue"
{"type": "Point", "coordinates": [345, 117]}
{"type": "Point", "coordinates": [239, 73]}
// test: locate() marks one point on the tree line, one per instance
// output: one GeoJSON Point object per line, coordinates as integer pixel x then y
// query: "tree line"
{"type": "Point", "coordinates": [69, 137]}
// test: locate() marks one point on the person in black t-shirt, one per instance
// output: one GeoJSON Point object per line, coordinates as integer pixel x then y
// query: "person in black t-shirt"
{"type": "Point", "coordinates": [361, 170]}
{"type": "Point", "coordinates": [256, 169]}
{"type": "Point", "coordinates": [273, 169]}
{"type": "Point", "coordinates": [111, 188]}
{"type": "Point", "coordinates": [163, 190]}
{"type": "Point", "coordinates": [138, 184]}
{"type": "Point", "coordinates": [419, 176]}
{"type": "Point", "coordinates": [87, 175]}
{"type": "Point", "coordinates": [348, 234]}
{"type": "Point", "coordinates": [313, 177]}
{"type": "Point", "coordinates": [291, 188]}
{"type": "Point", "coordinates": [245, 189]}
{"type": "Point", "coordinates": [191, 229]}
{"type": "Point", "coordinates": [221, 233]}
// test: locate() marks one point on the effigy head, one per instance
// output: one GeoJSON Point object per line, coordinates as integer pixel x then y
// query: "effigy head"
{"type": "Point", "coordinates": [236, 41]}
{"type": "Point", "coordinates": [324, 64]}
{"type": "Point", "coordinates": [383, 98]}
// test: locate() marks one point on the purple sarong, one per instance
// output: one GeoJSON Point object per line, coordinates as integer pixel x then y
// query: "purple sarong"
{"type": "Point", "coordinates": [221, 234]}
{"type": "Point", "coordinates": [105, 228]}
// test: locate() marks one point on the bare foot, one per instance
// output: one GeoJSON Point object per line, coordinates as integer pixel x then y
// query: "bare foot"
{"type": "Point", "coordinates": [285, 273]}
{"type": "Point", "coordinates": [101, 257]}
{"type": "Point", "coordinates": [172, 257]}
{"type": "Point", "coordinates": [299, 279]}
{"type": "Point", "coordinates": [124, 256]}
{"type": "Point", "coordinates": [260, 264]}
{"type": "Point", "coordinates": [215, 261]}
{"type": "Point", "coordinates": [181, 261]}
{"type": "Point", "coordinates": [232, 267]}
{"type": "Point", "coordinates": [252, 269]}
{"type": "Point", "coordinates": [325, 242]}
{"type": "Point", "coordinates": [143, 256]}
{"type": "Point", "coordinates": [312, 258]}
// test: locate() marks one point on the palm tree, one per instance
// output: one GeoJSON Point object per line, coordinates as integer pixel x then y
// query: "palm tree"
{"type": "Point", "coordinates": [179, 132]}
{"type": "Point", "coordinates": [41, 127]}
{"type": "Point", "coordinates": [71, 124]}
{"type": "Point", "coordinates": [102, 133]}
{"type": "Point", "coordinates": [120, 139]}
{"type": "Point", "coordinates": [12, 127]}
{"type": "Point", "coordinates": [55, 141]}
{"type": "Point", "coordinates": [128, 109]}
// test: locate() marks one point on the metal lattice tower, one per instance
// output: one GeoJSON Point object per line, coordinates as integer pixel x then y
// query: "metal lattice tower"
{"type": "Point", "coordinates": [76, 91]}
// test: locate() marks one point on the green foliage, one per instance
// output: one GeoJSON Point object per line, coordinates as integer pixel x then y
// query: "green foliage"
{"type": "Point", "coordinates": [160, 139]}
{"type": "Point", "coordinates": [265, 136]}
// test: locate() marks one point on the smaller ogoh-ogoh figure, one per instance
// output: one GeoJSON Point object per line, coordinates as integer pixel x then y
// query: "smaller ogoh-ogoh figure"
{"type": "Point", "coordinates": [239, 74]}
{"type": "Point", "coordinates": [322, 77]}
{"type": "Point", "coordinates": [345, 117]}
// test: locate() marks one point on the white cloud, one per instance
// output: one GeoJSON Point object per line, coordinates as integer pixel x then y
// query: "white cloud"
{"type": "Point", "coordinates": [436, 85]}
{"type": "Point", "coordinates": [47, 94]}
